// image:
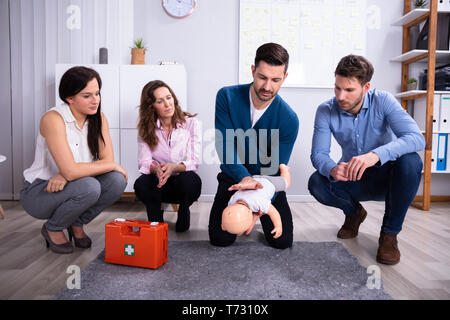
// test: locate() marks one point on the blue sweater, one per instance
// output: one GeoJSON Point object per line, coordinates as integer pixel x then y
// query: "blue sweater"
{"type": "Point", "coordinates": [262, 149]}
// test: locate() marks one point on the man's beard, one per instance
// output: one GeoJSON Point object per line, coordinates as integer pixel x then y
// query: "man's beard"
{"type": "Point", "coordinates": [355, 104]}
{"type": "Point", "coordinates": [265, 98]}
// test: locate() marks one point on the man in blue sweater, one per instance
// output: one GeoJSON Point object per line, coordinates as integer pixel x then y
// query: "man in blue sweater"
{"type": "Point", "coordinates": [379, 162]}
{"type": "Point", "coordinates": [255, 133]}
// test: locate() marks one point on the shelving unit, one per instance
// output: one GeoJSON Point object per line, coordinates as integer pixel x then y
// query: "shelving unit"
{"type": "Point", "coordinates": [418, 55]}
{"type": "Point", "coordinates": [414, 94]}
{"type": "Point", "coordinates": [431, 56]}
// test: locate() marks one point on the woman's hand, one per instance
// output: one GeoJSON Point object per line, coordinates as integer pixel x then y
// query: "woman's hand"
{"type": "Point", "coordinates": [56, 184]}
{"type": "Point", "coordinates": [120, 169]}
{"type": "Point", "coordinates": [166, 170]}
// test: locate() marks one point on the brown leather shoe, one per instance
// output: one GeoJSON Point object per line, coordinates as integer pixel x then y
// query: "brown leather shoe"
{"type": "Point", "coordinates": [388, 252]}
{"type": "Point", "coordinates": [351, 225]}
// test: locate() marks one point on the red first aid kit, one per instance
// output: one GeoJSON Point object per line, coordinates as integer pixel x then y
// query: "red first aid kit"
{"type": "Point", "coordinates": [136, 243]}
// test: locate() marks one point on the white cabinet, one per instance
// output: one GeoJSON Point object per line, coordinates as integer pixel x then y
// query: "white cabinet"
{"type": "Point", "coordinates": [134, 77]}
{"type": "Point", "coordinates": [128, 156]}
{"type": "Point", "coordinates": [115, 138]}
{"type": "Point", "coordinates": [121, 93]}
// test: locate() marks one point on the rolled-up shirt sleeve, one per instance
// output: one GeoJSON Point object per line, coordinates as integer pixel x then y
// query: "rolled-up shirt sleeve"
{"type": "Point", "coordinates": [144, 156]}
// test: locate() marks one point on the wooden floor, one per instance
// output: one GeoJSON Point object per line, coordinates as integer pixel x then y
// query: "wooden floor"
{"type": "Point", "coordinates": [28, 270]}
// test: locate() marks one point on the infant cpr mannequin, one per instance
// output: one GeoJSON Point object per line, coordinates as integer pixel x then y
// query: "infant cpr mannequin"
{"type": "Point", "coordinates": [237, 218]}
{"type": "Point", "coordinates": [253, 199]}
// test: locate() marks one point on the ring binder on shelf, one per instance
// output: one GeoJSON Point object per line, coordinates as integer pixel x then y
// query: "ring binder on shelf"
{"type": "Point", "coordinates": [444, 117]}
{"type": "Point", "coordinates": [441, 164]}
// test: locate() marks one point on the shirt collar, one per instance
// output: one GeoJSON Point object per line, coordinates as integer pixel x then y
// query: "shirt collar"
{"type": "Point", "coordinates": [68, 117]}
{"type": "Point", "coordinates": [67, 114]}
{"type": "Point", "coordinates": [159, 126]}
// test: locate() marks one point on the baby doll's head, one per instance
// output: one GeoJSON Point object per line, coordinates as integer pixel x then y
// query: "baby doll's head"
{"type": "Point", "coordinates": [237, 218]}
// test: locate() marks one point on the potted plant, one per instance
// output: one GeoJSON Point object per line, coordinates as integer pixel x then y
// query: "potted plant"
{"type": "Point", "coordinates": [138, 52]}
{"type": "Point", "coordinates": [412, 84]}
{"type": "Point", "coordinates": [420, 3]}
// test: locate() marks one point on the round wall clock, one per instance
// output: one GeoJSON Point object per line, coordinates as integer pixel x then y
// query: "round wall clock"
{"type": "Point", "coordinates": [179, 8]}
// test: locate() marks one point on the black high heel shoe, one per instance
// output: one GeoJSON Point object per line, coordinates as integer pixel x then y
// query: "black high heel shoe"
{"type": "Point", "coordinates": [184, 218]}
{"type": "Point", "coordinates": [79, 242]}
{"type": "Point", "coordinates": [62, 248]}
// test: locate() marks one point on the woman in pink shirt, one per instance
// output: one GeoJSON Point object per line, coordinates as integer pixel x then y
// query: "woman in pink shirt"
{"type": "Point", "coordinates": [168, 154]}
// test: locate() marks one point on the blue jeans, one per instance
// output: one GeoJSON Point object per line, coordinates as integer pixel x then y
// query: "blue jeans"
{"type": "Point", "coordinates": [395, 182]}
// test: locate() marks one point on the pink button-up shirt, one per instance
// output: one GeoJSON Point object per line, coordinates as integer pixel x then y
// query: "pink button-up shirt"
{"type": "Point", "coordinates": [182, 146]}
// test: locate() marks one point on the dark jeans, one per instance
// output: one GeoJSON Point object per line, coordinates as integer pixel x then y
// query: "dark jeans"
{"type": "Point", "coordinates": [395, 182]}
{"type": "Point", "coordinates": [218, 237]}
{"type": "Point", "coordinates": [183, 189]}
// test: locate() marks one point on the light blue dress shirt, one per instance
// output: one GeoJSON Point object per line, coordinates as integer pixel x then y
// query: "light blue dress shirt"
{"type": "Point", "coordinates": [382, 126]}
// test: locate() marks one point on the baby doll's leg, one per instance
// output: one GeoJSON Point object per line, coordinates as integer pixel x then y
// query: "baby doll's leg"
{"type": "Point", "coordinates": [279, 182]}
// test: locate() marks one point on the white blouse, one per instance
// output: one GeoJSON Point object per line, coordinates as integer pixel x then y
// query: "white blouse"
{"type": "Point", "coordinates": [44, 167]}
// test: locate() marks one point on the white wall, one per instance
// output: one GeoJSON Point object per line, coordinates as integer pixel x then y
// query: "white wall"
{"type": "Point", "coordinates": [6, 183]}
{"type": "Point", "coordinates": [206, 43]}
{"type": "Point", "coordinates": [47, 32]}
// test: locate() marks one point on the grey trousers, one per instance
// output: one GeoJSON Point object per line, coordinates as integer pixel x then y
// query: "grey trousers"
{"type": "Point", "coordinates": [77, 204]}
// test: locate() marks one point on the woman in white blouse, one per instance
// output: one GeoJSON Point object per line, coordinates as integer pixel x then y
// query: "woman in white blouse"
{"type": "Point", "coordinates": [74, 176]}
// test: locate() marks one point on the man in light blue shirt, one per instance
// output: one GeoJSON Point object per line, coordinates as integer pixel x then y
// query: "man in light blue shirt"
{"type": "Point", "coordinates": [379, 141]}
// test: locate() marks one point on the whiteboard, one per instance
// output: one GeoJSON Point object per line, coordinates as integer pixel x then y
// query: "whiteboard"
{"type": "Point", "coordinates": [316, 34]}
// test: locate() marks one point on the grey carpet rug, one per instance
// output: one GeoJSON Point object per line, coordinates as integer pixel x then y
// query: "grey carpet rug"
{"type": "Point", "coordinates": [196, 270]}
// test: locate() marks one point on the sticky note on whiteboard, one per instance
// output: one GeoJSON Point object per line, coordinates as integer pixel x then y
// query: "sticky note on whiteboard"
{"type": "Point", "coordinates": [306, 12]}
{"type": "Point", "coordinates": [326, 43]}
{"type": "Point", "coordinates": [358, 45]}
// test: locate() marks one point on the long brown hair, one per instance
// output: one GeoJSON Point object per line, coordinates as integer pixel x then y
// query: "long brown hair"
{"type": "Point", "coordinates": [72, 82]}
{"type": "Point", "coordinates": [148, 115]}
